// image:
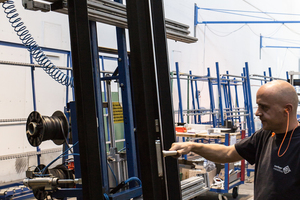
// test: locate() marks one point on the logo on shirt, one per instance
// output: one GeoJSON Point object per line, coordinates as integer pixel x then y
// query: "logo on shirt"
{"type": "Point", "coordinates": [284, 170]}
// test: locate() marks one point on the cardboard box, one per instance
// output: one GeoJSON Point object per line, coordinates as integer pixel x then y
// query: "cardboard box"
{"type": "Point", "coordinates": [184, 170]}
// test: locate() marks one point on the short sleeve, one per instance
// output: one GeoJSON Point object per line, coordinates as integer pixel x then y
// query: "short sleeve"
{"type": "Point", "coordinates": [248, 147]}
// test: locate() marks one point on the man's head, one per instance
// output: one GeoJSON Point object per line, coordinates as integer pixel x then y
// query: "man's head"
{"type": "Point", "coordinates": [275, 101]}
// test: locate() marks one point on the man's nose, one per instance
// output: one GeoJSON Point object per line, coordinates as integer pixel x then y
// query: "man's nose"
{"type": "Point", "coordinates": [257, 113]}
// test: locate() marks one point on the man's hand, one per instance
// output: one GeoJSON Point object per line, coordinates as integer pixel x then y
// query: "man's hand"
{"type": "Point", "coordinates": [181, 148]}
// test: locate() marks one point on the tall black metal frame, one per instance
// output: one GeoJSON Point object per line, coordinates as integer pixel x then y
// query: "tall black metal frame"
{"type": "Point", "coordinates": [165, 97]}
{"type": "Point", "coordinates": [85, 100]}
{"type": "Point", "coordinates": [145, 55]}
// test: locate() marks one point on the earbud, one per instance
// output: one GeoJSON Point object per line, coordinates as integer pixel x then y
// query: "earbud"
{"type": "Point", "coordinates": [286, 110]}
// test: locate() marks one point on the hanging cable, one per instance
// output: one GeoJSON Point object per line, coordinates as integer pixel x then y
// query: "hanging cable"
{"type": "Point", "coordinates": [271, 17]}
{"type": "Point", "coordinates": [58, 157]}
{"type": "Point", "coordinates": [32, 46]}
{"type": "Point", "coordinates": [106, 196]}
{"type": "Point", "coordinates": [227, 33]}
{"type": "Point", "coordinates": [134, 179]}
{"type": "Point", "coordinates": [123, 183]}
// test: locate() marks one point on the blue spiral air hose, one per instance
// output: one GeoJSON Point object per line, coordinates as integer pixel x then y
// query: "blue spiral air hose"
{"type": "Point", "coordinates": [32, 46]}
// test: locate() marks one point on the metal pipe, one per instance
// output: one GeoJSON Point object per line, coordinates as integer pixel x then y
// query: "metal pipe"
{"type": "Point", "coordinates": [28, 64]}
{"type": "Point", "coordinates": [110, 114]}
{"type": "Point", "coordinates": [236, 115]}
{"type": "Point", "coordinates": [207, 113]}
{"type": "Point", "coordinates": [191, 182]}
{"type": "Point", "coordinates": [192, 189]}
{"type": "Point", "coordinates": [235, 111]}
{"type": "Point", "coordinates": [232, 75]}
{"type": "Point", "coordinates": [248, 22]}
{"type": "Point", "coordinates": [11, 123]}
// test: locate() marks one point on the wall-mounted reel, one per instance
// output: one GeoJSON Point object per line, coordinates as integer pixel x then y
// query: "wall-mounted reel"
{"type": "Point", "coordinates": [41, 128]}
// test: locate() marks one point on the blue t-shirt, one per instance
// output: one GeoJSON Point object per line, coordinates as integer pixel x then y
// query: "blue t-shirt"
{"type": "Point", "coordinates": [276, 178]}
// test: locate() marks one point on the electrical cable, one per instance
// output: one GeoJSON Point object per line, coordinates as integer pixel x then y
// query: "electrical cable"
{"type": "Point", "coordinates": [106, 196]}
{"type": "Point", "coordinates": [271, 17]}
{"type": "Point", "coordinates": [227, 33]}
{"type": "Point", "coordinates": [123, 184]}
{"type": "Point", "coordinates": [62, 129]}
{"type": "Point", "coordinates": [134, 179]}
{"type": "Point", "coordinates": [122, 149]}
{"type": "Point", "coordinates": [32, 46]}
{"type": "Point", "coordinates": [60, 156]}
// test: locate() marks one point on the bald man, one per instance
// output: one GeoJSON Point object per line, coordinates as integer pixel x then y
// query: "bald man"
{"type": "Point", "coordinates": [274, 149]}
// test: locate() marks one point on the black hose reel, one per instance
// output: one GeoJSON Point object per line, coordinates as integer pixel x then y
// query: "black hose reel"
{"type": "Point", "coordinates": [41, 128]}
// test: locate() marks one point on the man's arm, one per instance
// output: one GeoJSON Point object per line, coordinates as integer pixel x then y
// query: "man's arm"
{"type": "Point", "coordinates": [213, 152]}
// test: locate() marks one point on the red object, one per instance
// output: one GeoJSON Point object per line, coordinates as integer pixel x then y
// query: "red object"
{"type": "Point", "coordinates": [71, 165]}
{"type": "Point", "coordinates": [180, 129]}
{"type": "Point", "coordinates": [243, 161]}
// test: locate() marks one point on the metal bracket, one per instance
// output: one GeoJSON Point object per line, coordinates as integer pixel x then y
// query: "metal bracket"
{"type": "Point", "coordinates": [159, 158]}
{"type": "Point", "coordinates": [34, 5]}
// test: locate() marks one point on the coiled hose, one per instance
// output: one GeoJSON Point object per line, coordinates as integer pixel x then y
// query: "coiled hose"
{"type": "Point", "coordinates": [32, 46]}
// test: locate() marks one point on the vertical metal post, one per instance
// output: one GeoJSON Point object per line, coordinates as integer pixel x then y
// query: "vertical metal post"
{"type": "Point", "coordinates": [105, 97]}
{"type": "Point", "coordinates": [124, 81]}
{"type": "Point", "coordinates": [180, 112]}
{"type": "Point", "coordinates": [270, 74]}
{"type": "Point", "coordinates": [85, 100]}
{"type": "Point", "coordinates": [99, 103]}
{"type": "Point", "coordinates": [110, 115]}
{"type": "Point", "coordinates": [229, 97]}
{"type": "Point", "coordinates": [68, 73]}
{"type": "Point", "coordinates": [220, 95]}
{"type": "Point", "coordinates": [195, 19]}
{"type": "Point", "coordinates": [193, 99]}
{"type": "Point", "coordinates": [212, 100]}
{"type": "Point", "coordinates": [260, 45]}
{"type": "Point", "coordinates": [198, 105]}
{"type": "Point", "coordinates": [250, 99]}
{"type": "Point", "coordinates": [34, 103]}
{"type": "Point", "coordinates": [188, 100]}
{"type": "Point", "coordinates": [73, 90]}
{"type": "Point", "coordinates": [72, 110]}
{"type": "Point", "coordinates": [237, 99]}
{"type": "Point", "coordinates": [225, 92]}
{"type": "Point", "coordinates": [246, 99]}
{"type": "Point", "coordinates": [226, 181]}
{"type": "Point", "coordinates": [33, 84]}
{"type": "Point", "coordinates": [142, 60]}
{"type": "Point", "coordinates": [165, 98]}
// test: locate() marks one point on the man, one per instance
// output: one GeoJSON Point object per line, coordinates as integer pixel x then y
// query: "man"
{"type": "Point", "coordinates": [275, 149]}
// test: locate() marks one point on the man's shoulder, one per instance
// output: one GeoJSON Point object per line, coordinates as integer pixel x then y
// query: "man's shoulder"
{"type": "Point", "coordinates": [262, 133]}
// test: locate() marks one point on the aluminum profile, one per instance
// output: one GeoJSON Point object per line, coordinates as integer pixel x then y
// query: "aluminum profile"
{"type": "Point", "coordinates": [115, 14]}
{"type": "Point", "coordinates": [193, 187]}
